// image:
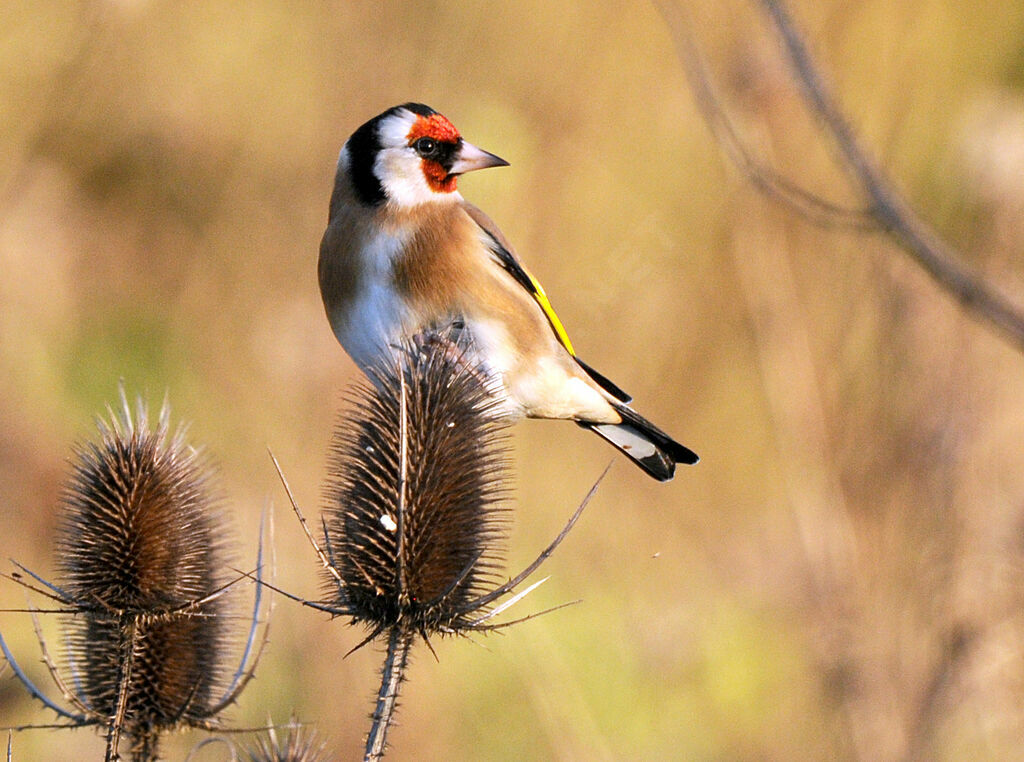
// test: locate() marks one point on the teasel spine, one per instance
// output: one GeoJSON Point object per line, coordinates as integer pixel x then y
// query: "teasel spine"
{"type": "Point", "coordinates": [416, 510]}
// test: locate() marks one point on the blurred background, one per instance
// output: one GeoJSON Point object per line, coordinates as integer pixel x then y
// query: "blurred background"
{"type": "Point", "coordinates": [841, 575]}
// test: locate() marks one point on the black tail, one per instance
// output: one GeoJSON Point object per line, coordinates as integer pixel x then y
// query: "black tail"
{"type": "Point", "coordinates": [644, 443]}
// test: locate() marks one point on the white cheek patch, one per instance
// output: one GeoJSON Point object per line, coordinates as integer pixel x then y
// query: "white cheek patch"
{"type": "Point", "coordinates": [401, 175]}
{"type": "Point", "coordinates": [397, 166]}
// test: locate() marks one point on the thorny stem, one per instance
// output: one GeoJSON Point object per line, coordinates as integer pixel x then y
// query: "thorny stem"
{"type": "Point", "coordinates": [392, 675]}
{"type": "Point", "coordinates": [127, 663]}
{"type": "Point", "coordinates": [400, 640]}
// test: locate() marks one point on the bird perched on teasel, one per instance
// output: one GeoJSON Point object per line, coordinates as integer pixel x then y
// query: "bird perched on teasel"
{"type": "Point", "coordinates": [404, 254]}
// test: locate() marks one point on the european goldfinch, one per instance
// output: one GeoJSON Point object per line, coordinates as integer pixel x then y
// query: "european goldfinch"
{"type": "Point", "coordinates": [404, 253]}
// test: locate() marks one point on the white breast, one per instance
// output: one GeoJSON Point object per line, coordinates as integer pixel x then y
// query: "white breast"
{"type": "Point", "coordinates": [373, 321]}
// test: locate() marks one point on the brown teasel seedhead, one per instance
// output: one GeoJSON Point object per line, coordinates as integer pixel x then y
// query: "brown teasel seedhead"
{"type": "Point", "coordinates": [142, 553]}
{"type": "Point", "coordinates": [415, 513]}
{"type": "Point", "coordinates": [416, 508]}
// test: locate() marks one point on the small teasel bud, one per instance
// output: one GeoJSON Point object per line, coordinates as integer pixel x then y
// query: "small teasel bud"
{"type": "Point", "coordinates": [296, 744]}
{"type": "Point", "coordinates": [141, 548]}
{"type": "Point", "coordinates": [415, 513]}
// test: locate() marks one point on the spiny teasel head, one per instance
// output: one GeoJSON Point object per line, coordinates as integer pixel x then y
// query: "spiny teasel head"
{"type": "Point", "coordinates": [141, 550]}
{"type": "Point", "coordinates": [415, 516]}
{"type": "Point", "coordinates": [415, 513]}
{"type": "Point", "coordinates": [138, 526]}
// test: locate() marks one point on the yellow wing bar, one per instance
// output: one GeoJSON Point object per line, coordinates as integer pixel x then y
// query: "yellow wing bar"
{"type": "Point", "coordinates": [549, 311]}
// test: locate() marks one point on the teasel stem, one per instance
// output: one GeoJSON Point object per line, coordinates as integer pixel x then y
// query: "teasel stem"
{"type": "Point", "coordinates": [400, 639]}
{"type": "Point", "coordinates": [392, 676]}
{"type": "Point", "coordinates": [124, 678]}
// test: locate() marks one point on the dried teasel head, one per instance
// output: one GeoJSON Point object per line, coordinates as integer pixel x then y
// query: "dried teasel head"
{"type": "Point", "coordinates": [142, 553]}
{"type": "Point", "coordinates": [415, 514]}
{"type": "Point", "coordinates": [415, 519]}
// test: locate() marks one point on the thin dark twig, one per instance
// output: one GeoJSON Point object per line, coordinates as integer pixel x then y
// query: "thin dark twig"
{"type": "Point", "coordinates": [333, 611]}
{"type": "Point", "coordinates": [302, 521]}
{"type": "Point", "coordinates": [365, 641]}
{"type": "Point", "coordinates": [939, 259]}
{"type": "Point", "coordinates": [50, 726]}
{"type": "Point", "coordinates": [101, 607]}
{"type": "Point", "coordinates": [57, 595]}
{"type": "Point", "coordinates": [509, 603]}
{"type": "Point", "coordinates": [462, 576]}
{"type": "Point", "coordinates": [40, 580]}
{"type": "Point", "coordinates": [51, 667]}
{"type": "Point", "coordinates": [505, 625]}
{"type": "Point", "coordinates": [808, 204]}
{"type": "Point", "coordinates": [188, 703]}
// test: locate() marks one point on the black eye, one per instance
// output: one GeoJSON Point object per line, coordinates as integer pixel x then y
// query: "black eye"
{"type": "Point", "coordinates": [425, 147]}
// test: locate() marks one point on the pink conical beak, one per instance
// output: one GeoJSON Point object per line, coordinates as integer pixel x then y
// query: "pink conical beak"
{"type": "Point", "coordinates": [470, 158]}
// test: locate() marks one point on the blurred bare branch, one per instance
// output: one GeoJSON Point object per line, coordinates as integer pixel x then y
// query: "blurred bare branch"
{"type": "Point", "coordinates": [885, 210]}
{"type": "Point", "coordinates": [773, 184]}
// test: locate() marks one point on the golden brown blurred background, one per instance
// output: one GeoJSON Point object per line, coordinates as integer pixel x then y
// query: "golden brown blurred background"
{"type": "Point", "coordinates": [839, 578]}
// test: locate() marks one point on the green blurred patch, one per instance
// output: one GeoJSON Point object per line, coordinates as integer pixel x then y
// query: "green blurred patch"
{"type": "Point", "coordinates": [750, 671]}
{"type": "Point", "coordinates": [128, 342]}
